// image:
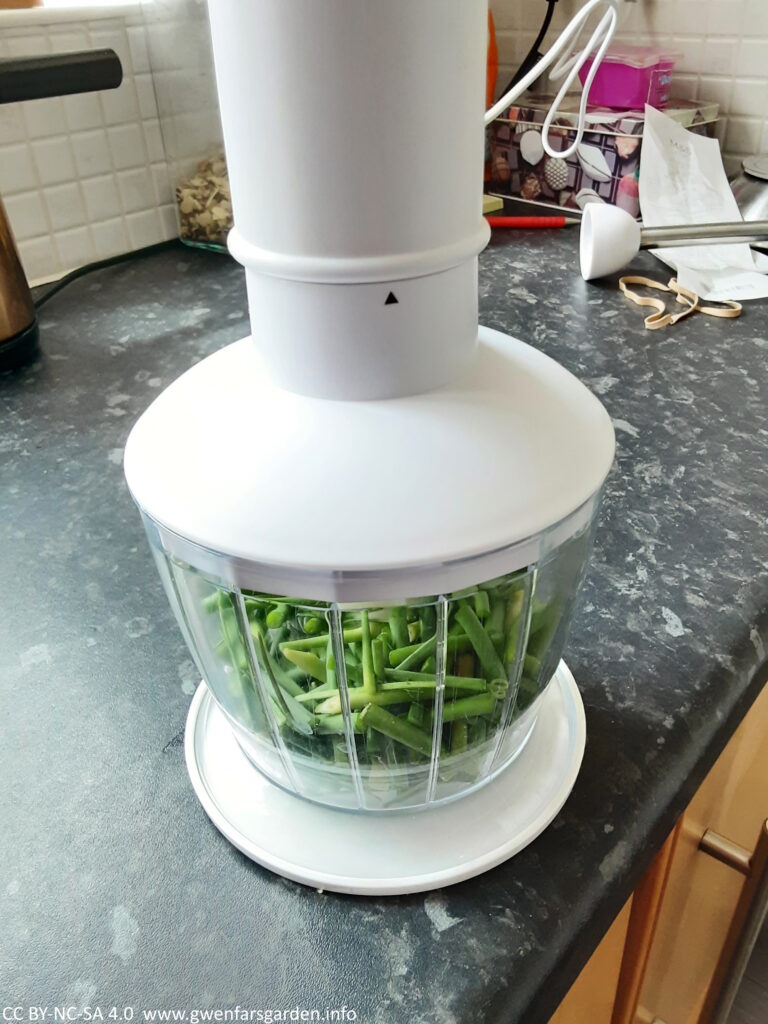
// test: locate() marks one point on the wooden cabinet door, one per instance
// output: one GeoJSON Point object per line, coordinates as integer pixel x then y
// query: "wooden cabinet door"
{"type": "Point", "coordinates": [701, 893]}
{"type": "Point", "coordinates": [591, 997]}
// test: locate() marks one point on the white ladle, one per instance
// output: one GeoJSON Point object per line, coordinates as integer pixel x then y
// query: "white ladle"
{"type": "Point", "coordinates": [610, 237]}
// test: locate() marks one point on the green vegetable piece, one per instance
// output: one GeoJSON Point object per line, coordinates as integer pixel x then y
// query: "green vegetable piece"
{"type": "Point", "coordinates": [490, 661]}
{"type": "Point", "coordinates": [287, 682]}
{"type": "Point", "coordinates": [544, 622]}
{"type": "Point", "coordinates": [213, 601]}
{"type": "Point", "coordinates": [498, 687]}
{"type": "Point", "coordinates": [373, 742]}
{"type": "Point", "coordinates": [419, 655]}
{"type": "Point", "coordinates": [309, 663]}
{"type": "Point", "coordinates": [358, 698]}
{"type": "Point", "coordinates": [245, 700]}
{"type": "Point", "coordinates": [476, 732]}
{"type": "Point", "coordinates": [313, 625]}
{"type": "Point", "coordinates": [369, 677]}
{"type": "Point", "coordinates": [299, 716]}
{"type": "Point", "coordinates": [416, 714]}
{"type": "Point", "coordinates": [398, 654]}
{"type": "Point", "coordinates": [321, 692]}
{"type": "Point", "coordinates": [527, 692]}
{"type": "Point", "coordinates": [457, 643]}
{"type": "Point", "coordinates": [531, 666]}
{"type": "Point", "coordinates": [495, 625]}
{"type": "Point", "coordinates": [428, 619]}
{"type": "Point", "coordinates": [466, 664]}
{"type": "Point", "coordinates": [253, 609]}
{"type": "Point", "coordinates": [430, 665]}
{"type": "Point", "coordinates": [330, 664]}
{"type": "Point", "coordinates": [398, 729]}
{"type": "Point", "coordinates": [482, 604]}
{"type": "Point", "coordinates": [512, 626]}
{"type": "Point", "coordinates": [277, 616]}
{"type": "Point", "coordinates": [309, 643]}
{"type": "Point", "coordinates": [414, 631]}
{"type": "Point", "coordinates": [302, 719]}
{"type": "Point", "coordinates": [426, 681]}
{"type": "Point", "coordinates": [333, 725]}
{"type": "Point", "coordinates": [458, 737]}
{"type": "Point", "coordinates": [379, 657]}
{"type": "Point", "coordinates": [398, 625]}
{"type": "Point", "coordinates": [480, 704]}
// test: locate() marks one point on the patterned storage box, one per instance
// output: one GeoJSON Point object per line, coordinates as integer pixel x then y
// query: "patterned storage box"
{"type": "Point", "coordinates": [606, 165]}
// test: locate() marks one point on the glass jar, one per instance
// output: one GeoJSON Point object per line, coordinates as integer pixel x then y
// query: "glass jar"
{"type": "Point", "coordinates": [179, 43]}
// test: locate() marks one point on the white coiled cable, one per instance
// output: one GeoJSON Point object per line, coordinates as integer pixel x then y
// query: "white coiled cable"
{"type": "Point", "coordinates": [568, 66]}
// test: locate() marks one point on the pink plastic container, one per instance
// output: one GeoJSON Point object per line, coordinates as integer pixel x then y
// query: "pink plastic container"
{"type": "Point", "coordinates": [631, 76]}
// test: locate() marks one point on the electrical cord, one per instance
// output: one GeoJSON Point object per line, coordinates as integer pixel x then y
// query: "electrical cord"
{"type": "Point", "coordinates": [533, 55]}
{"type": "Point", "coordinates": [567, 67]}
{"type": "Point", "coordinates": [112, 261]}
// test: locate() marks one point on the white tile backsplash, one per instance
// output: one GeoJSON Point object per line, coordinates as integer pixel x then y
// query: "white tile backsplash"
{"type": "Point", "coordinates": [754, 18]}
{"type": "Point", "coordinates": [126, 144]}
{"type": "Point", "coordinates": [724, 47]}
{"type": "Point", "coordinates": [65, 206]}
{"type": "Point", "coordinates": [92, 154]}
{"type": "Point", "coordinates": [36, 256]}
{"type": "Point", "coordinates": [110, 237]}
{"type": "Point", "coordinates": [53, 160]}
{"type": "Point", "coordinates": [136, 189]}
{"type": "Point", "coordinates": [81, 175]}
{"type": "Point", "coordinates": [17, 173]}
{"type": "Point", "coordinates": [75, 247]}
{"type": "Point", "coordinates": [12, 127]}
{"type": "Point", "coordinates": [722, 18]}
{"type": "Point", "coordinates": [28, 208]}
{"type": "Point", "coordinates": [749, 96]}
{"type": "Point", "coordinates": [44, 117]}
{"type": "Point", "coordinates": [81, 112]}
{"type": "Point", "coordinates": [743, 135]}
{"type": "Point", "coordinates": [102, 199]}
{"type": "Point", "coordinates": [153, 140]}
{"type": "Point", "coordinates": [143, 227]}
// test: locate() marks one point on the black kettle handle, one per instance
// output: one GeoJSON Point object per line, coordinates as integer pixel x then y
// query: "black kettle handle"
{"type": "Point", "coordinates": [60, 74]}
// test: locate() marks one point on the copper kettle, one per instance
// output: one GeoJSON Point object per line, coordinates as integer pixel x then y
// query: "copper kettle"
{"type": "Point", "coordinates": [32, 78]}
{"type": "Point", "coordinates": [18, 323]}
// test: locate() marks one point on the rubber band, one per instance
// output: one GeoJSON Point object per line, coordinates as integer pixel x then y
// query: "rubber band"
{"type": "Point", "coordinates": [684, 296]}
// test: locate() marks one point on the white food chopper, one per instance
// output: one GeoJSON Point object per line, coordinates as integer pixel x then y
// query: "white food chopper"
{"type": "Point", "coordinates": [371, 517]}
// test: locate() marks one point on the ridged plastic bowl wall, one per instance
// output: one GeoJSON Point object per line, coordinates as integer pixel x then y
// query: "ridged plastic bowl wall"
{"type": "Point", "coordinates": [372, 707]}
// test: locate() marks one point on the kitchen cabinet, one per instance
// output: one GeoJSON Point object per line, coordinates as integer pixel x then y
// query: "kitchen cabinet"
{"type": "Point", "coordinates": [592, 996]}
{"type": "Point", "coordinates": [666, 956]}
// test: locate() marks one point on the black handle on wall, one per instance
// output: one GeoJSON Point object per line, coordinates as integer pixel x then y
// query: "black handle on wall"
{"type": "Point", "coordinates": [61, 74]}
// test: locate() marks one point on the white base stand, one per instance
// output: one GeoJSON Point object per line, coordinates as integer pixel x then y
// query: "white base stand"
{"type": "Point", "coordinates": [388, 854]}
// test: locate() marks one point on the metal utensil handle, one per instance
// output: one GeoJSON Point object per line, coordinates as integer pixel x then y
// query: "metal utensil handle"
{"type": "Point", "coordinates": [697, 234]}
{"type": "Point", "coordinates": [746, 922]}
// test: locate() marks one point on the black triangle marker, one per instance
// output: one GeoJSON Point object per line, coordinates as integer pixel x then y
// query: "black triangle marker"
{"type": "Point", "coordinates": [391, 300]}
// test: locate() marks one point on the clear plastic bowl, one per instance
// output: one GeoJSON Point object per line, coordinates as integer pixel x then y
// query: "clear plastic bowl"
{"type": "Point", "coordinates": [380, 707]}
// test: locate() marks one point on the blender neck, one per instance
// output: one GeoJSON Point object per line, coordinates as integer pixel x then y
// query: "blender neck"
{"type": "Point", "coordinates": [355, 147]}
{"type": "Point", "coordinates": [358, 329]}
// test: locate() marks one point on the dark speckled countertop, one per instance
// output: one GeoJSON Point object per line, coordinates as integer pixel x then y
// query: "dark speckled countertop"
{"type": "Point", "coordinates": [115, 889]}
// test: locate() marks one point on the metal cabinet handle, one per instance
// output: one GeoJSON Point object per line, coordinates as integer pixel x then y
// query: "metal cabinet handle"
{"type": "Point", "coordinates": [746, 922]}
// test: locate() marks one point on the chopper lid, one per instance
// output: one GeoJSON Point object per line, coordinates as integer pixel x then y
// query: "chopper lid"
{"type": "Point", "coordinates": [363, 500]}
